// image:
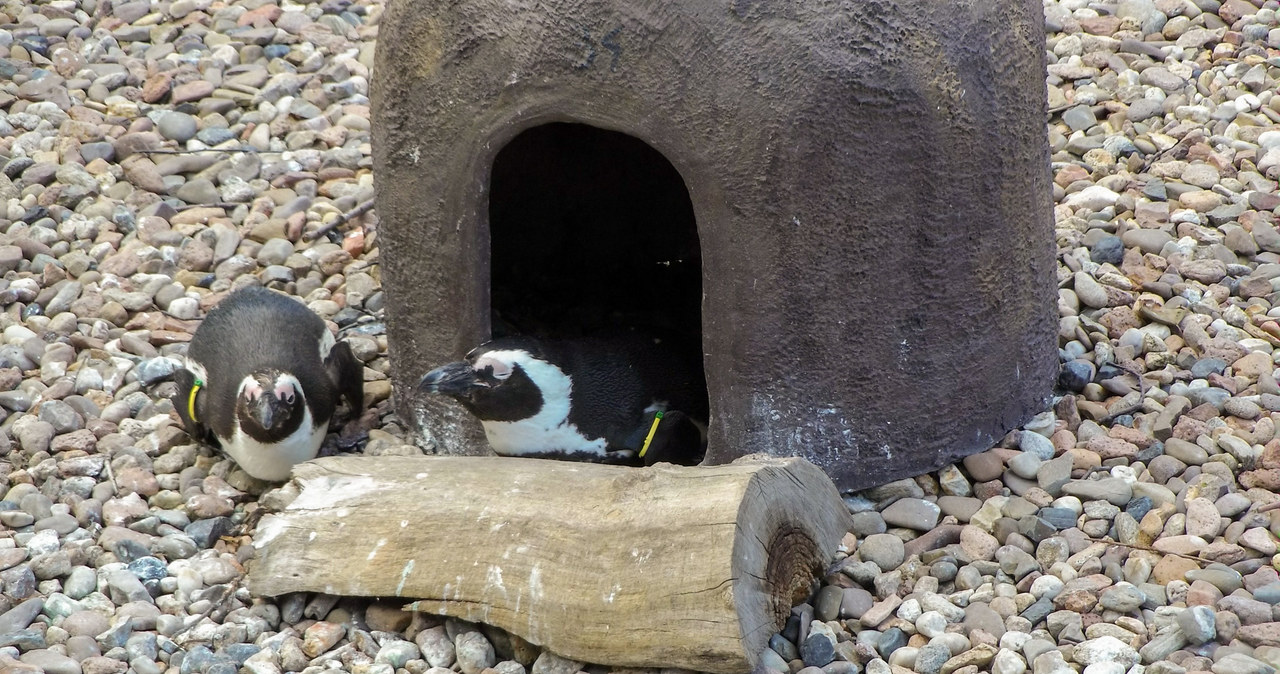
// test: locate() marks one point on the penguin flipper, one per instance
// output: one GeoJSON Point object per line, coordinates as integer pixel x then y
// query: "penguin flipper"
{"type": "Point", "coordinates": [347, 373]}
{"type": "Point", "coordinates": [184, 403]}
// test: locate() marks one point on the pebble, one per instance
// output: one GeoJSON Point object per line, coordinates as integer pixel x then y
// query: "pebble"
{"type": "Point", "coordinates": [177, 126]}
{"type": "Point", "coordinates": [886, 551]}
{"type": "Point", "coordinates": [474, 653]}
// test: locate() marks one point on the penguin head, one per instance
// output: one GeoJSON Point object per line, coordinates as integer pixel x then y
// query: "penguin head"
{"type": "Point", "coordinates": [270, 405]}
{"type": "Point", "coordinates": [498, 384]}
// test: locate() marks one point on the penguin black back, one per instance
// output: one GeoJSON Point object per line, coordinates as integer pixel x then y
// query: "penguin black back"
{"type": "Point", "coordinates": [615, 378]}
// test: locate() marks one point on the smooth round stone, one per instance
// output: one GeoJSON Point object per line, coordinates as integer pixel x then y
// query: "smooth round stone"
{"type": "Point", "coordinates": [783, 647]}
{"type": "Point", "coordinates": [80, 582]}
{"type": "Point", "coordinates": [474, 652]}
{"type": "Point", "coordinates": [50, 662]}
{"type": "Point", "coordinates": [177, 126]}
{"type": "Point", "coordinates": [143, 665]}
{"type": "Point", "coordinates": [1186, 452]}
{"type": "Point", "coordinates": [1245, 409]}
{"type": "Point", "coordinates": [154, 369]}
{"type": "Point", "coordinates": [1206, 366]}
{"type": "Point", "coordinates": [855, 601]}
{"type": "Point", "coordinates": [1210, 395]}
{"type": "Point", "coordinates": [912, 513]}
{"type": "Point", "coordinates": [185, 308]}
{"type": "Point", "coordinates": [1124, 598]}
{"type": "Point", "coordinates": [275, 252]}
{"type": "Point", "coordinates": [176, 546]}
{"type": "Point", "coordinates": [867, 523]}
{"type": "Point", "coordinates": [944, 570]}
{"type": "Point", "coordinates": [1226, 580]}
{"type": "Point", "coordinates": [82, 646]}
{"type": "Point", "coordinates": [198, 191]}
{"type": "Point", "coordinates": [931, 624]}
{"type": "Point", "coordinates": [891, 640]}
{"type": "Point", "coordinates": [238, 653]}
{"type": "Point", "coordinates": [1269, 593]}
{"type": "Point", "coordinates": [215, 570]}
{"type": "Point", "coordinates": [215, 135]}
{"type": "Point", "coordinates": [770, 659]}
{"type": "Point", "coordinates": [98, 150]}
{"type": "Point", "coordinates": [827, 605]}
{"type": "Point", "coordinates": [396, 652]}
{"type": "Point", "coordinates": [86, 622]}
{"type": "Point", "coordinates": [884, 550]}
{"type": "Point", "coordinates": [20, 616]}
{"type": "Point", "coordinates": [1036, 445]}
{"type": "Point", "coordinates": [1026, 465]}
{"type": "Point", "coordinates": [1108, 249]}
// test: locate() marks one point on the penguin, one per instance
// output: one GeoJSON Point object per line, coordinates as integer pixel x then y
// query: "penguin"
{"type": "Point", "coordinates": [626, 399]}
{"type": "Point", "coordinates": [262, 378]}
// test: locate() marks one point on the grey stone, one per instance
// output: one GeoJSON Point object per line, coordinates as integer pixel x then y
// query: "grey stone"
{"type": "Point", "coordinates": [474, 652]}
{"type": "Point", "coordinates": [177, 126]}
{"type": "Point", "coordinates": [884, 550]}
{"type": "Point", "coordinates": [20, 616]}
{"type": "Point", "coordinates": [912, 513]}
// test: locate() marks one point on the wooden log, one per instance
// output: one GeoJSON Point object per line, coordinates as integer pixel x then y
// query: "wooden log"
{"type": "Point", "coordinates": [666, 566]}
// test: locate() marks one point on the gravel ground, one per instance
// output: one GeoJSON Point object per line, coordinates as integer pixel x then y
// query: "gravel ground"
{"type": "Point", "coordinates": [155, 156]}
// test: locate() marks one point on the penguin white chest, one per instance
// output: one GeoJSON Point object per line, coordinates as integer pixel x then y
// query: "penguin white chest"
{"type": "Point", "coordinates": [274, 461]}
{"type": "Point", "coordinates": [532, 436]}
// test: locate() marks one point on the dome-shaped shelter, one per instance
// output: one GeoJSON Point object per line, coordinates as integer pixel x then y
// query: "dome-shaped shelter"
{"type": "Point", "coordinates": [846, 206]}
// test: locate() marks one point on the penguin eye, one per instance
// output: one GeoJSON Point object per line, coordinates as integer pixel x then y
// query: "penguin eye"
{"type": "Point", "coordinates": [493, 368]}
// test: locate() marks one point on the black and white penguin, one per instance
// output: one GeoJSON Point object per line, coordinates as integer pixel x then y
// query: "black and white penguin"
{"type": "Point", "coordinates": [263, 376]}
{"type": "Point", "coordinates": [626, 399]}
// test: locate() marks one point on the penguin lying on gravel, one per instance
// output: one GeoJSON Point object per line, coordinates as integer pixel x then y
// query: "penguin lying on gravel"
{"type": "Point", "coordinates": [611, 400]}
{"type": "Point", "coordinates": [263, 376]}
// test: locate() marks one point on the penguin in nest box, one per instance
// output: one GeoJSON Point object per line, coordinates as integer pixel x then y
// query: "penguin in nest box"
{"type": "Point", "coordinates": [625, 399]}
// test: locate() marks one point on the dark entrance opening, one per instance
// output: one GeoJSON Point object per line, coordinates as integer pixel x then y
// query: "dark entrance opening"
{"type": "Point", "coordinates": [592, 232]}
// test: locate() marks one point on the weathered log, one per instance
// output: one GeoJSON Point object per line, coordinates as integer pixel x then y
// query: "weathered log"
{"type": "Point", "coordinates": [662, 566]}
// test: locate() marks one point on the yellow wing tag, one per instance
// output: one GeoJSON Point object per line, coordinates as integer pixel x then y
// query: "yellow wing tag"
{"type": "Point", "coordinates": [657, 417]}
{"type": "Point", "coordinates": [191, 402]}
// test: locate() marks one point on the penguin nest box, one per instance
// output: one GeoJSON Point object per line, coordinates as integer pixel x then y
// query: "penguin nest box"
{"type": "Point", "coordinates": [847, 211]}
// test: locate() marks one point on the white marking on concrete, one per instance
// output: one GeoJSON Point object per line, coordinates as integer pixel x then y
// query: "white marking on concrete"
{"type": "Point", "coordinates": [404, 576]}
{"type": "Point", "coordinates": [327, 492]}
{"type": "Point", "coordinates": [493, 580]}
{"type": "Point", "coordinates": [269, 528]}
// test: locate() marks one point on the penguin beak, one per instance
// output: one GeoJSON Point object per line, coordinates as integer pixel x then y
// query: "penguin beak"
{"type": "Point", "coordinates": [268, 410]}
{"type": "Point", "coordinates": [454, 379]}
{"type": "Point", "coordinates": [266, 414]}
